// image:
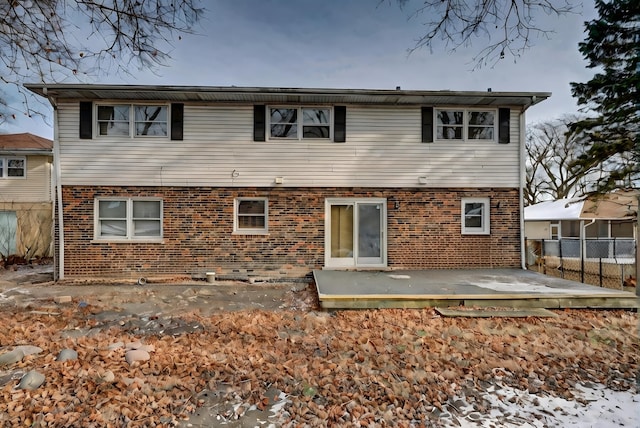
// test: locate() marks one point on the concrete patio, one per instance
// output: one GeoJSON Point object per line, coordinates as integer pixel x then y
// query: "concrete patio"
{"type": "Point", "coordinates": [515, 288]}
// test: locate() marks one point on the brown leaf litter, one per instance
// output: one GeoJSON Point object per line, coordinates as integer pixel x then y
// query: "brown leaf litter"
{"type": "Point", "coordinates": [389, 367]}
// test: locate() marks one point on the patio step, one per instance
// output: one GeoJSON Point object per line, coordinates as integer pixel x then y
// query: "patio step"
{"type": "Point", "coordinates": [493, 312]}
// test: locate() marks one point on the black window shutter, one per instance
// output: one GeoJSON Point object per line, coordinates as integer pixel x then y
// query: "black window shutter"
{"type": "Point", "coordinates": [177, 121]}
{"type": "Point", "coordinates": [427, 124]}
{"type": "Point", "coordinates": [340, 124]}
{"type": "Point", "coordinates": [86, 120]}
{"type": "Point", "coordinates": [259, 122]}
{"type": "Point", "coordinates": [503, 125]}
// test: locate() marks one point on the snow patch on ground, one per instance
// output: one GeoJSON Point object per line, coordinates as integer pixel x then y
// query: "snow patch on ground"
{"type": "Point", "coordinates": [594, 406]}
{"type": "Point", "coordinates": [528, 287]}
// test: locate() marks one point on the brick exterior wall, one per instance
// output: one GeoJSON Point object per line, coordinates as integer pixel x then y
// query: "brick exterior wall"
{"type": "Point", "coordinates": [423, 232]}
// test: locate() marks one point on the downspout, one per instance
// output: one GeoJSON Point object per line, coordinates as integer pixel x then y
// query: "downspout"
{"type": "Point", "coordinates": [59, 272]}
{"type": "Point", "coordinates": [523, 139]}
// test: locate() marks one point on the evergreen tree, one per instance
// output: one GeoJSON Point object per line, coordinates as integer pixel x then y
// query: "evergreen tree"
{"type": "Point", "coordinates": [612, 47]}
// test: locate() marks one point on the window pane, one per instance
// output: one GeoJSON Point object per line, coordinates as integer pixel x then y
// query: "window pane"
{"type": "Point", "coordinates": [284, 115]}
{"type": "Point", "coordinates": [113, 228]}
{"type": "Point", "coordinates": [449, 117]}
{"type": "Point", "coordinates": [1, 167]}
{"type": "Point", "coordinates": [473, 222]}
{"type": "Point", "coordinates": [481, 118]}
{"type": "Point", "coordinates": [251, 222]}
{"type": "Point", "coordinates": [15, 168]}
{"type": "Point", "coordinates": [481, 133]}
{"type": "Point", "coordinates": [369, 227]}
{"type": "Point", "coordinates": [312, 116]}
{"type": "Point", "coordinates": [251, 207]}
{"type": "Point", "coordinates": [151, 120]}
{"type": "Point", "coordinates": [341, 231]}
{"type": "Point", "coordinates": [146, 227]}
{"type": "Point", "coordinates": [449, 133]}
{"type": "Point", "coordinates": [315, 132]}
{"type": "Point", "coordinates": [473, 215]}
{"type": "Point", "coordinates": [112, 209]}
{"type": "Point", "coordinates": [284, 131]}
{"type": "Point", "coordinates": [146, 209]}
{"type": "Point", "coordinates": [252, 214]}
{"type": "Point", "coordinates": [284, 123]}
{"type": "Point", "coordinates": [113, 120]}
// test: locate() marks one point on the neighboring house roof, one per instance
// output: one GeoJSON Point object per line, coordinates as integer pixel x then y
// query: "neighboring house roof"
{"type": "Point", "coordinates": [233, 94]}
{"type": "Point", "coordinates": [621, 204]}
{"type": "Point", "coordinates": [25, 144]}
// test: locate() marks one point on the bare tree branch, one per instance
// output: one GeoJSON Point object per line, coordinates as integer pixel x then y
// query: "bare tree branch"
{"type": "Point", "coordinates": [508, 25]}
{"type": "Point", "coordinates": [553, 150]}
{"type": "Point", "coordinates": [50, 41]}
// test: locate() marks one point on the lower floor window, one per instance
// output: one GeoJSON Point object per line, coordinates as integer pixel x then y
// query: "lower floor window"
{"type": "Point", "coordinates": [475, 216]}
{"type": "Point", "coordinates": [251, 215]}
{"type": "Point", "coordinates": [128, 218]}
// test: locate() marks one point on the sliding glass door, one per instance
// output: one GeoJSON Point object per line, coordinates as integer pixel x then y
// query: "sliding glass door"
{"type": "Point", "coordinates": [355, 232]}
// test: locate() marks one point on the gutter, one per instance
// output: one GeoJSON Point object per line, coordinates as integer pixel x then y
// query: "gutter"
{"type": "Point", "coordinates": [19, 152]}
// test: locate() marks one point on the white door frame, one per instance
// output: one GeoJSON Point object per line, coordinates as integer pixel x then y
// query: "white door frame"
{"type": "Point", "coordinates": [352, 262]}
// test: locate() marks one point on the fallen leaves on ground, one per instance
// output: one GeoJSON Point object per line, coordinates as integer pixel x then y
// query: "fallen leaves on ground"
{"type": "Point", "coordinates": [389, 367]}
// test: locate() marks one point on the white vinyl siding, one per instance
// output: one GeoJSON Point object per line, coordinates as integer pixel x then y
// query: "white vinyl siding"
{"type": "Point", "coordinates": [34, 187]}
{"type": "Point", "coordinates": [383, 149]}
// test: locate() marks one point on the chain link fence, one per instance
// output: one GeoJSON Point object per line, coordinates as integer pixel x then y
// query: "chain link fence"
{"type": "Point", "coordinates": [605, 262]}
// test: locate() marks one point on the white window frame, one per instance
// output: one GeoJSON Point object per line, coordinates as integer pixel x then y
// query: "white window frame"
{"type": "Point", "coordinates": [4, 168]}
{"type": "Point", "coordinates": [129, 236]}
{"type": "Point", "coordinates": [300, 123]}
{"type": "Point", "coordinates": [466, 116]}
{"type": "Point", "coordinates": [484, 229]}
{"type": "Point", "coordinates": [250, 231]}
{"type": "Point", "coordinates": [132, 120]}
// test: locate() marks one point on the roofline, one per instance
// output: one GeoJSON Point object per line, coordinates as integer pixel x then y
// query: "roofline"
{"type": "Point", "coordinates": [23, 152]}
{"type": "Point", "coordinates": [58, 90]}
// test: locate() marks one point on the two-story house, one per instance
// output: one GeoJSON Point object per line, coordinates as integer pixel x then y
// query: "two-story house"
{"type": "Point", "coordinates": [276, 182]}
{"type": "Point", "coordinates": [25, 195]}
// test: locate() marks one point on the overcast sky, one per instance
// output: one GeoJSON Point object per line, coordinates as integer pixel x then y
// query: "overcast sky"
{"type": "Point", "coordinates": [358, 44]}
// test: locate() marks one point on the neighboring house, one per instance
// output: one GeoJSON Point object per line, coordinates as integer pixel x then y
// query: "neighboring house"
{"type": "Point", "coordinates": [273, 182]}
{"type": "Point", "coordinates": [25, 195]}
{"type": "Point", "coordinates": [598, 217]}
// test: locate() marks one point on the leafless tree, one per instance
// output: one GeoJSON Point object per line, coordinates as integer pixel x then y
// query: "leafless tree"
{"type": "Point", "coordinates": [551, 151]}
{"type": "Point", "coordinates": [52, 40]}
{"type": "Point", "coordinates": [509, 25]}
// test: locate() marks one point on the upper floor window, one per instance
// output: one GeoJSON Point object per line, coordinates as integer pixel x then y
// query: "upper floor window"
{"type": "Point", "coordinates": [251, 215]}
{"type": "Point", "coordinates": [125, 120]}
{"type": "Point", "coordinates": [13, 167]}
{"type": "Point", "coordinates": [475, 216]}
{"type": "Point", "coordinates": [298, 123]}
{"type": "Point", "coordinates": [128, 218]}
{"type": "Point", "coordinates": [461, 124]}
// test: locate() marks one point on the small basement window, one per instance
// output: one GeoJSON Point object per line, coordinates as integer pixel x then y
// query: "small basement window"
{"type": "Point", "coordinates": [251, 216]}
{"type": "Point", "coordinates": [475, 216]}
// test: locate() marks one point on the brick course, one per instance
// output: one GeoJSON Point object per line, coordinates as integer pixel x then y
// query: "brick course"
{"type": "Point", "coordinates": [423, 232]}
